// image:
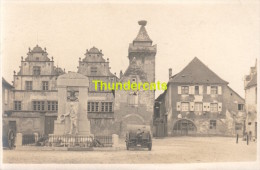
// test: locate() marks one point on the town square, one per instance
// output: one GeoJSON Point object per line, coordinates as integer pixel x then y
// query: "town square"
{"type": "Point", "coordinates": [119, 83]}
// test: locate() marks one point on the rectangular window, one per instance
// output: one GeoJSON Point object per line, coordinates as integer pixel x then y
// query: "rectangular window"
{"type": "Point", "coordinates": [92, 107]}
{"type": "Point", "coordinates": [214, 90]}
{"type": "Point", "coordinates": [106, 107]}
{"type": "Point", "coordinates": [88, 106]}
{"type": "Point", "coordinates": [36, 70]}
{"type": "Point", "coordinates": [198, 107]}
{"type": "Point", "coordinates": [40, 105]}
{"type": "Point", "coordinates": [110, 106]}
{"type": "Point", "coordinates": [102, 106]}
{"type": "Point", "coordinates": [133, 80]}
{"type": "Point", "coordinates": [197, 90]}
{"type": "Point", "coordinates": [56, 105]}
{"type": "Point", "coordinates": [17, 105]}
{"type": "Point", "coordinates": [213, 107]}
{"type": "Point", "coordinates": [212, 124]}
{"type": "Point", "coordinates": [93, 70]}
{"type": "Point", "coordinates": [96, 106]}
{"type": "Point", "coordinates": [99, 87]}
{"type": "Point", "coordinates": [184, 106]}
{"type": "Point", "coordinates": [28, 85]}
{"type": "Point", "coordinates": [241, 107]}
{"type": "Point", "coordinates": [49, 106]}
{"type": "Point", "coordinates": [184, 89]}
{"type": "Point", "coordinates": [52, 105]}
{"type": "Point", "coordinates": [45, 85]}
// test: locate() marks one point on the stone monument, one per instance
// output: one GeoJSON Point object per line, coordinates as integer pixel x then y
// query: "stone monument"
{"type": "Point", "coordinates": [72, 105]}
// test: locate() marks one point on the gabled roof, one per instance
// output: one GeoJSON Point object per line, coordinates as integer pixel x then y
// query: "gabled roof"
{"type": "Point", "coordinates": [135, 69]}
{"type": "Point", "coordinates": [6, 84]}
{"type": "Point", "coordinates": [143, 35]}
{"type": "Point", "coordinates": [253, 81]}
{"type": "Point", "coordinates": [197, 72]}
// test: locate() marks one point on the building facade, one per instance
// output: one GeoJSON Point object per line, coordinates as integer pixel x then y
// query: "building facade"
{"type": "Point", "coordinates": [7, 101]}
{"type": "Point", "coordinates": [34, 96]}
{"type": "Point", "coordinates": [100, 100]}
{"type": "Point", "coordinates": [136, 107]}
{"type": "Point", "coordinates": [251, 102]}
{"type": "Point", "coordinates": [198, 102]}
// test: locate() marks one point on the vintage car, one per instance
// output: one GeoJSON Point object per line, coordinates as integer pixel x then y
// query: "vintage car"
{"type": "Point", "coordinates": [138, 136]}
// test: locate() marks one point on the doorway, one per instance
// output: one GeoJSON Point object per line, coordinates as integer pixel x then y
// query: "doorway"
{"type": "Point", "coordinates": [49, 124]}
{"type": "Point", "coordinates": [184, 127]}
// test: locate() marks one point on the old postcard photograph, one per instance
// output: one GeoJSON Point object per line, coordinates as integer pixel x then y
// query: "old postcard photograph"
{"type": "Point", "coordinates": [130, 84]}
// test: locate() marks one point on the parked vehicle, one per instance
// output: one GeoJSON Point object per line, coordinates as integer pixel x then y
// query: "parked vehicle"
{"type": "Point", "coordinates": [138, 136]}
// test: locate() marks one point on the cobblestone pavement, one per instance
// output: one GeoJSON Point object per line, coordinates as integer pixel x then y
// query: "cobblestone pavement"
{"type": "Point", "coordinates": [166, 150]}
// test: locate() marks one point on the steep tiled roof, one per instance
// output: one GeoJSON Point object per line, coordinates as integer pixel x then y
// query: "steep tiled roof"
{"type": "Point", "coordinates": [197, 72]}
{"type": "Point", "coordinates": [6, 84]}
{"type": "Point", "coordinates": [253, 82]}
{"type": "Point", "coordinates": [142, 35]}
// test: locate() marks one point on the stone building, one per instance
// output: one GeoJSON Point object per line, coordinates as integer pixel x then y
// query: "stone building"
{"type": "Point", "coordinates": [198, 102]}
{"type": "Point", "coordinates": [100, 101]}
{"type": "Point", "coordinates": [251, 102]}
{"type": "Point", "coordinates": [34, 106]}
{"type": "Point", "coordinates": [7, 101]}
{"type": "Point", "coordinates": [136, 107]}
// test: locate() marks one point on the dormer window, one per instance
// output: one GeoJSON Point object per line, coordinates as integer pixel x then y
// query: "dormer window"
{"type": "Point", "coordinates": [36, 70]}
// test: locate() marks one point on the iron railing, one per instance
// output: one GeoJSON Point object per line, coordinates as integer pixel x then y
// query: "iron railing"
{"type": "Point", "coordinates": [28, 139]}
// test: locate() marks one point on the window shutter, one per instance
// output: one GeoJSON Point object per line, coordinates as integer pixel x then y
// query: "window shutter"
{"type": "Point", "coordinates": [191, 106]}
{"type": "Point", "coordinates": [204, 107]}
{"type": "Point", "coordinates": [178, 106]}
{"type": "Point", "coordinates": [179, 89]}
{"type": "Point", "coordinates": [219, 107]}
{"type": "Point", "coordinates": [208, 89]}
{"type": "Point", "coordinates": [200, 89]}
{"type": "Point", "coordinates": [208, 107]}
{"type": "Point", "coordinates": [191, 89]}
{"type": "Point", "coordinates": [219, 90]}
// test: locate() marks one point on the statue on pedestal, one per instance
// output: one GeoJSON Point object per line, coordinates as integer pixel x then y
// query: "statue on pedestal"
{"type": "Point", "coordinates": [73, 119]}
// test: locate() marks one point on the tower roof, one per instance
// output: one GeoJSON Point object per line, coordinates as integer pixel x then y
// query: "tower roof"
{"type": "Point", "coordinates": [142, 35]}
{"type": "Point", "coordinates": [197, 72]}
{"type": "Point", "coordinates": [253, 81]}
{"type": "Point", "coordinates": [135, 69]}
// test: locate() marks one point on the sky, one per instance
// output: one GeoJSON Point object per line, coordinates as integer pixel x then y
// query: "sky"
{"type": "Point", "coordinates": [224, 36]}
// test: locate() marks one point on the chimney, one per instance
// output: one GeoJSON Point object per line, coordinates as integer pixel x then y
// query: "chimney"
{"type": "Point", "coordinates": [170, 73]}
{"type": "Point", "coordinates": [121, 74]}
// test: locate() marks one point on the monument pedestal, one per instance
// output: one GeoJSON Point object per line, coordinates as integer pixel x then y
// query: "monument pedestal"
{"type": "Point", "coordinates": [72, 105]}
{"type": "Point", "coordinates": [59, 128]}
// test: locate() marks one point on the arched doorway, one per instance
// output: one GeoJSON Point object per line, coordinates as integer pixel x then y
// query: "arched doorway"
{"type": "Point", "coordinates": [130, 119]}
{"type": "Point", "coordinates": [184, 127]}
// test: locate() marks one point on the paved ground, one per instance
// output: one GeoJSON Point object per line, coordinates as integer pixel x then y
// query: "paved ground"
{"type": "Point", "coordinates": [167, 150]}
